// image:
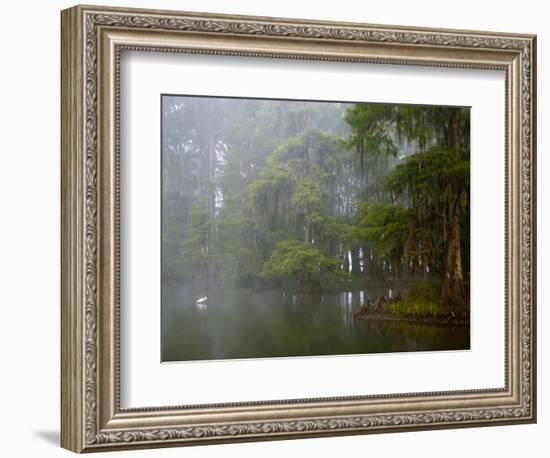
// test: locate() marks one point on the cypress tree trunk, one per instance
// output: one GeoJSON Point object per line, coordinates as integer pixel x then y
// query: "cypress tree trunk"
{"type": "Point", "coordinates": [309, 284]}
{"type": "Point", "coordinates": [396, 268]}
{"type": "Point", "coordinates": [453, 293]}
{"type": "Point", "coordinates": [355, 265]}
{"type": "Point", "coordinates": [346, 261]}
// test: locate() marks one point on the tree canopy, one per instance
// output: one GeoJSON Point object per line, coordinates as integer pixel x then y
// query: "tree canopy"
{"type": "Point", "coordinates": [315, 195]}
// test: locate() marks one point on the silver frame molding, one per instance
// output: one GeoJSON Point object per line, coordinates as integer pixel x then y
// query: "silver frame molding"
{"type": "Point", "coordinates": [92, 40]}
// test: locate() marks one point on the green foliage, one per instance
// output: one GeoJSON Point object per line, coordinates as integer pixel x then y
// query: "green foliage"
{"type": "Point", "coordinates": [419, 299]}
{"type": "Point", "coordinates": [236, 254]}
{"type": "Point", "coordinates": [307, 196]}
{"type": "Point", "coordinates": [172, 261]}
{"type": "Point", "coordinates": [429, 177]}
{"type": "Point", "coordinates": [370, 124]}
{"type": "Point", "coordinates": [194, 247]}
{"type": "Point", "coordinates": [430, 181]}
{"type": "Point", "coordinates": [334, 229]}
{"type": "Point", "coordinates": [311, 145]}
{"type": "Point", "coordinates": [296, 182]}
{"type": "Point", "coordinates": [429, 126]}
{"type": "Point", "coordinates": [293, 258]}
{"type": "Point", "coordinates": [371, 135]}
{"type": "Point", "coordinates": [386, 227]}
{"type": "Point", "coordinates": [272, 178]}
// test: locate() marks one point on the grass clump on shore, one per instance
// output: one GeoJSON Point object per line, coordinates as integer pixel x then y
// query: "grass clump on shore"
{"type": "Point", "coordinates": [419, 299]}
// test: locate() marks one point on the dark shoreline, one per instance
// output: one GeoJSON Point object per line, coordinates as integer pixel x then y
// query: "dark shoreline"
{"type": "Point", "coordinates": [439, 320]}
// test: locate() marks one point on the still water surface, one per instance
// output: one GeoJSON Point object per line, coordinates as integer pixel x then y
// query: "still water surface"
{"type": "Point", "coordinates": [238, 323]}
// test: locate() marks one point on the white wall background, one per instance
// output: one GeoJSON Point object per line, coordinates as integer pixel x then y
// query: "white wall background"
{"type": "Point", "coordinates": [29, 228]}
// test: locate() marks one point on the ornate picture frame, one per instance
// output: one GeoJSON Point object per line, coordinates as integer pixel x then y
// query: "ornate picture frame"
{"type": "Point", "coordinates": [92, 41]}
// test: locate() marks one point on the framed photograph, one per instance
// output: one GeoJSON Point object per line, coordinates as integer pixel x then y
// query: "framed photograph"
{"type": "Point", "coordinates": [278, 228]}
